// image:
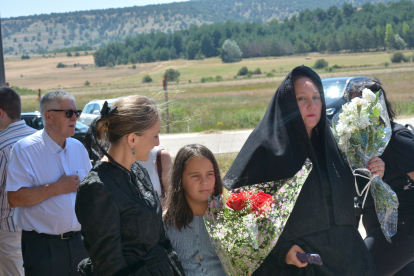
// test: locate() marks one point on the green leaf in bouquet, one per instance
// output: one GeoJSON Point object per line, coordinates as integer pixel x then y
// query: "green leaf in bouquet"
{"type": "Point", "coordinates": [375, 112]}
{"type": "Point", "coordinates": [357, 138]}
{"type": "Point", "coordinates": [365, 138]}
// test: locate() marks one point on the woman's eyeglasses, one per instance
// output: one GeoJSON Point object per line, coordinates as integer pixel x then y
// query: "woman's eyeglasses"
{"type": "Point", "coordinates": [69, 112]}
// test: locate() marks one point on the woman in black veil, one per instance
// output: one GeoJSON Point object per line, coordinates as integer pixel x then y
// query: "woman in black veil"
{"type": "Point", "coordinates": [323, 220]}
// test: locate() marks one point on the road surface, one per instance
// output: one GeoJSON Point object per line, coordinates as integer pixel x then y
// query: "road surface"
{"type": "Point", "coordinates": [220, 142]}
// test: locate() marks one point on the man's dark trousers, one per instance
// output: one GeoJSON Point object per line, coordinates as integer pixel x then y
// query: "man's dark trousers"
{"type": "Point", "coordinates": [46, 255]}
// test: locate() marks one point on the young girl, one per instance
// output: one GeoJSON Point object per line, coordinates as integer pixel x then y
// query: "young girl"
{"type": "Point", "coordinates": [195, 177]}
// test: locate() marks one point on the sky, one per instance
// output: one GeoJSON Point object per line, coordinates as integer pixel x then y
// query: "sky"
{"type": "Point", "coordinates": [15, 8]}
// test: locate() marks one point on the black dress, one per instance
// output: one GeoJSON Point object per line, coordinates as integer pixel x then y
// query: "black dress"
{"type": "Point", "coordinates": [399, 161]}
{"type": "Point", "coordinates": [122, 227]}
{"type": "Point", "coordinates": [340, 246]}
{"type": "Point", "coordinates": [323, 219]}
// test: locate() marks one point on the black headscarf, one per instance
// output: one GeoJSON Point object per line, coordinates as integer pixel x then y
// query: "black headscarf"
{"type": "Point", "coordinates": [278, 148]}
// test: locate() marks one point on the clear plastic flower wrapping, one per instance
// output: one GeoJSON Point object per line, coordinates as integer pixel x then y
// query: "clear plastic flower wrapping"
{"type": "Point", "coordinates": [359, 145]}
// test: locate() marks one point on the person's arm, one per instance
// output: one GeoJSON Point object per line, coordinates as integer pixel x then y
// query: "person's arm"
{"type": "Point", "coordinates": [376, 166]}
{"type": "Point", "coordinates": [292, 259]}
{"type": "Point", "coordinates": [99, 216]}
{"type": "Point", "coordinates": [166, 164]}
{"type": "Point", "coordinates": [32, 196]}
{"type": "Point", "coordinates": [19, 186]}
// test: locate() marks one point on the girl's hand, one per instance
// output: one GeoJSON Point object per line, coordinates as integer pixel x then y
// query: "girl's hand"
{"type": "Point", "coordinates": [376, 166]}
{"type": "Point", "coordinates": [292, 259]}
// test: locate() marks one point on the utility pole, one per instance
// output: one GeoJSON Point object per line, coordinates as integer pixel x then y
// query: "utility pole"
{"type": "Point", "coordinates": [2, 71]}
{"type": "Point", "coordinates": [164, 84]}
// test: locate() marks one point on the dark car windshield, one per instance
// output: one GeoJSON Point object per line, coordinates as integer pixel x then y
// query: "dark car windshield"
{"type": "Point", "coordinates": [333, 89]}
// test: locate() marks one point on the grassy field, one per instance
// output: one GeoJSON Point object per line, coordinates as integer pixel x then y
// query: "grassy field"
{"type": "Point", "coordinates": [229, 104]}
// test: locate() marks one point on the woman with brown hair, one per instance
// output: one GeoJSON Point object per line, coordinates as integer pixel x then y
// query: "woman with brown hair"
{"type": "Point", "coordinates": [195, 177]}
{"type": "Point", "coordinates": [116, 204]}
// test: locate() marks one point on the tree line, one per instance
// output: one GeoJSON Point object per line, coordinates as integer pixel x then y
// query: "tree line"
{"type": "Point", "coordinates": [371, 28]}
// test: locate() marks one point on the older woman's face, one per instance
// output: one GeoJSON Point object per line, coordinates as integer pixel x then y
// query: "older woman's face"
{"type": "Point", "coordinates": [309, 102]}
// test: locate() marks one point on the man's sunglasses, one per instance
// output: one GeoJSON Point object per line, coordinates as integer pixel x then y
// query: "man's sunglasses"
{"type": "Point", "coordinates": [69, 112]}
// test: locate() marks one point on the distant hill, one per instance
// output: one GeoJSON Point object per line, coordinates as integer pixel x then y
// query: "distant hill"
{"type": "Point", "coordinates": [42, 33]}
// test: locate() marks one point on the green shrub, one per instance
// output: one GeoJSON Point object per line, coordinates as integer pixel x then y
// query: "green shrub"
{"type": "Point", "coordinates": [61, 65]}
{"type": "Point", "coordinates": [87, 83]}
{"type": "Point", "coordinates": [328, 69]}
{"type": "Point", "coordinates": [77, 54]}
{"type": "Point", "coordinates": [146, 79]}
{"type": "Point", "coordinates": [207, 79]}
{"type": "Point", "coordinates": [134, 66]}
{"type": "Point", "coordinates": [25, 57]}
{"type": "Point", "coordinates": [69, 54]}
{"type": "Point", "coordinates": [386, 64]}
{"type": "Point", "coordinates": [249, 74]}
{"type": "Point", "coordinates": [336, 66]}
{"type": "Point", "coordinates": [172, 74]}
{"type": "Point", "coordinates": [397, 57]}
{"type": "Point", "coordinates": [235, 77]}
{"type": "Point", "coordinates": [110, 64]}
{"type": "Point", "coordinates": [406, 58]}
{"type": "Point", "coordinates": [189, 81]}
{"type": "Point", "coordinates": [219, 78]}
{"type": "Point", "coordinates": [257, 71]}
{"type": "Point", "coordinates": [243, 71]}
{"type": "Point", "coordinates": [270, 74]}
{"type": "Point", "coordinates": [320, 63]}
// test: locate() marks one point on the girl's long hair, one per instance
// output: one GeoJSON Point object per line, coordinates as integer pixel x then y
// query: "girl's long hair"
{"type": "Point", "coordinates": [179, 213]}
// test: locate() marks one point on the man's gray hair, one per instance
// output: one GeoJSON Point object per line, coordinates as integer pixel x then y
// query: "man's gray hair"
{"type": "Point", "coordinates": [52, 99]}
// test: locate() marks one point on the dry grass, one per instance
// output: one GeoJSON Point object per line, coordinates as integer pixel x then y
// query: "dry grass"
{"type": "Point", "coordinates": [39, 72]}
{"type": "Point", "coordinates": [225, 160]}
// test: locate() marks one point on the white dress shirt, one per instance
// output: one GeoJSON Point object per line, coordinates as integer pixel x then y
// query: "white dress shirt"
{"type": "Point", "coordinates": [36, 161]}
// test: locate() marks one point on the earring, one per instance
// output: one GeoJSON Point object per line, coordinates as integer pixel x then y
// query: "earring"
{"type": "Point", "coordinates": [133, 151]}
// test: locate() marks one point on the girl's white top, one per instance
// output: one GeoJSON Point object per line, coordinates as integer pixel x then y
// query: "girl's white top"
{"type": "Point", "coordinates": [151, 167]}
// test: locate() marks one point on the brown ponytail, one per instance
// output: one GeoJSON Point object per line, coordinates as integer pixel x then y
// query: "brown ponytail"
{"type": "Point", "coordinates": [134, 114]}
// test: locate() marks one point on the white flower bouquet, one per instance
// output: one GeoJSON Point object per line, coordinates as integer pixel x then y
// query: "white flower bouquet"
{"type": "Point", "coordinates": [363, 131]}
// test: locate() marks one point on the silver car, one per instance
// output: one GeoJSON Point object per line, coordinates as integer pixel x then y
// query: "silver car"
{"type": "Point", "coordinates": [93, 109]}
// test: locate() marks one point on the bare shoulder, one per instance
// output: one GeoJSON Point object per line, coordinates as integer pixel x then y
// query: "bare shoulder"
{"type": "Point", "coordinates": [165, 157]}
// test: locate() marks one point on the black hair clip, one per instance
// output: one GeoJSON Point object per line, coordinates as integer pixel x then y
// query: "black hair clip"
{"type": "Point", "coordinates": [107, 110]}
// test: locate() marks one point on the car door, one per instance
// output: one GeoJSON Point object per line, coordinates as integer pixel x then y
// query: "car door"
{"type": "Point", "coordinates": [85, 113]}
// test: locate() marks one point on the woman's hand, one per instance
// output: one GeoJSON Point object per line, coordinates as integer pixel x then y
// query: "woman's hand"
{"type": "Point", "coordinates": [292, 259]}
{"type": "Point", "coordinates": [376, 166]}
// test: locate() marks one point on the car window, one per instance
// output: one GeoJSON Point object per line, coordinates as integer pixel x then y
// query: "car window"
{"type": "Point", "coordinates": [96, 107]}
{"type": "Point", "coordinates": [87, 109]}
{"type": "Point", "coordinates": [333, 90]}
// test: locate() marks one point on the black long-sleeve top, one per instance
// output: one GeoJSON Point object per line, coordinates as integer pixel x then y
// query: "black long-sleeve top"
{"type": "Point", "coordinates": [122, 226]}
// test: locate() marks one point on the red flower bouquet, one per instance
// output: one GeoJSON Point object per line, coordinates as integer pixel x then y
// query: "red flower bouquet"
{"type": "Point", "coordinates": [244, 228]}
{"type": "Point", "coordinates": [257, 203]}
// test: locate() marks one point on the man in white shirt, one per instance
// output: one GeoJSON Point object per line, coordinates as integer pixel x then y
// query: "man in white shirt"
{"type": "Point", "coordinates": [44, 172]}
{"type": "Point", "coordinates": [12, 129]}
